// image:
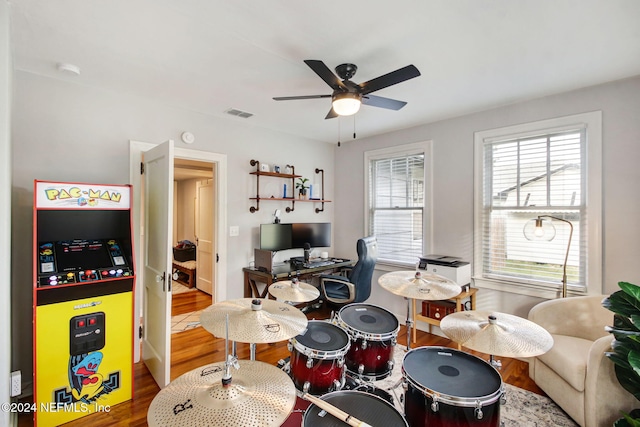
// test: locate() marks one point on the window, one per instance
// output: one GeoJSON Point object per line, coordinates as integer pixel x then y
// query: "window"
{"type": "Point", "coordinates": [395, 202]}
{"type": "Point", "coordinates": [544, 168]}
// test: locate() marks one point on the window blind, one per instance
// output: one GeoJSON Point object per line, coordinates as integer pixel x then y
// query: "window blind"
{"type": "Point", "coordinates": [396, 198]}
{"type": "Point", "coordinates": [524, 178]}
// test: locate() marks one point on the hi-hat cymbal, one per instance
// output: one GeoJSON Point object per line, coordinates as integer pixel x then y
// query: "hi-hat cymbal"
{"type": "Point", "coordinates": [419, 285]}
{"type": "Point", "coordinates": [259, 395]}
{"type": "Point", "coordinates": [267, 321]}
{"type": "Point", "coordinates": [497, 334]}
{"type": "Point", "coordinates": [294, 291]}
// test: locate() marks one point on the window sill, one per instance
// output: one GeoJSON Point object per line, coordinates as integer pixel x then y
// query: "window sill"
{"type": "Point", "coordinates": [388, 266]}
{"type": "Point", "coordinates": [523, 288]}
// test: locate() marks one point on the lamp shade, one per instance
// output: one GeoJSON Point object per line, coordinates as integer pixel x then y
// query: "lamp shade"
{"type": "Point", "coordinates": [539, 229]}
{"type": "Point", "coordinates": [346, 103]}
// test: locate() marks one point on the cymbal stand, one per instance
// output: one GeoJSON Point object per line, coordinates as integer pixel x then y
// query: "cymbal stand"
{"type": "Point", "coordinates": [409, 323]}
{"type": "Point", "coordinates": [229, 360]}
{"type": "Point", "coordinates": [495, 363]}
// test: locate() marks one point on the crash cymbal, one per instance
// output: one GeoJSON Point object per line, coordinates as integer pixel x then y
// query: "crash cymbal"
{"type": "Point", "coordinates": [497, 334]}
{"type": "Point", "coordinates": [265, 321]}
{"type": "Point", "coordinates": [419, 285]}
{"type": "Point", "coordinates": [294, 291]}
{"type": "Point", "coordinates": [258, 395]}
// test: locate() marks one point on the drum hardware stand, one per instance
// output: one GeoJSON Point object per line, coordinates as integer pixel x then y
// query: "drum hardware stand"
{"type": "Point", "coordinates": [409, 324]}
{"type": "Point", "coordinates": [229, 360]}
{"type": "Point", "coordinates": [495, 363]}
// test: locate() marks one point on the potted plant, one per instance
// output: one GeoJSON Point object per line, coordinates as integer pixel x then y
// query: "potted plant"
{"type": "Point", "coordinates": [302, 187]}
{"type": "Point", "coordinates": [625, 304]}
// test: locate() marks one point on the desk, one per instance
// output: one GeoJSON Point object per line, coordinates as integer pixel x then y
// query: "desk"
{"type": "Point", "coordinates": [253, 276]}
{"type": "Point", "coordinates": [471, 294]}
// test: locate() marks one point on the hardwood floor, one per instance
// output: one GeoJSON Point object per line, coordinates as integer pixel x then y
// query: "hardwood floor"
{"type": "Point", "coordinates": [196, 347]}
{"type": "Point", "coordinates": [187, 302]}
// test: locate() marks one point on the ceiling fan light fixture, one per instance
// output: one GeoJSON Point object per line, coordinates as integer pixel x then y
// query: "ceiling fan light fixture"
{"type": "Point", "coordinates": [346, 103]}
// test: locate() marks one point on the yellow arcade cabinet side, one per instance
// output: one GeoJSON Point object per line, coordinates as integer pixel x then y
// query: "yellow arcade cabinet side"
{"type": "Point", "coordinates": [83, 300]}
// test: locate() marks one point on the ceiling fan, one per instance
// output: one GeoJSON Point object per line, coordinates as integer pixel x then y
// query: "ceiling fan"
{"type": "Point", "coordinates": [347, 95]}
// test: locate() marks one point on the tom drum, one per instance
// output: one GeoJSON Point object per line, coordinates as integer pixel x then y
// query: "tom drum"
{"type": "Point", "coordinates": [317, 357]}
{"type": "Point", "coordinates": [373, 332]}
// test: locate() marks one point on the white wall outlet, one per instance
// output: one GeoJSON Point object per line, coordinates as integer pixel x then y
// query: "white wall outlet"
{"type": "Point", "coordinates": [234, 230]}
{"type": "Point", "coordinates": [16, 383]}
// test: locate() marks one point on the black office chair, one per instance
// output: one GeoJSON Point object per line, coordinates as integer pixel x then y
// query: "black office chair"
{"type": "Point", "coordinates": [356, 285]}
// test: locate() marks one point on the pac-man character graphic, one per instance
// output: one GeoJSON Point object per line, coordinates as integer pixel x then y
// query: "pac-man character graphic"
{"type": "Point", "coordinates": [86, 382]}
{"type": "Point", "coordinates": [93, 202]}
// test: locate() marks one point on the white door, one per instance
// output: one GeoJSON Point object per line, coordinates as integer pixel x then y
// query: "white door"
{"type": "Point", "coordinates": [158, 189]}
{"type": "Point", "coordinates": [204, 227]}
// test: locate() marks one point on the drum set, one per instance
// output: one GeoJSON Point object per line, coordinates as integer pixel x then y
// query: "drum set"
{"type": "Point", "coordinates": [334, 365]}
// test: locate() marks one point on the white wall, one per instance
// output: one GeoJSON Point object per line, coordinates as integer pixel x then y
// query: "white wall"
{"type": "Point", "coordinates": [5, 209]}
{"type": "Point", "coordinates": [68, 132]}
{"type": "Point", "coordinates": [453, 183]}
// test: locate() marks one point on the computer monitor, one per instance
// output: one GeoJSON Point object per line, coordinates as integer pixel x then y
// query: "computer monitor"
{"type": "Point", "coordinates": [275, 237]}
{"type": "Point", "coordinates": [316, 234]}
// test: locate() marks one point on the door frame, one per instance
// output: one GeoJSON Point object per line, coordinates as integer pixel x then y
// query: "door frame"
{"type": "Point", "coordinates": [136, 148]}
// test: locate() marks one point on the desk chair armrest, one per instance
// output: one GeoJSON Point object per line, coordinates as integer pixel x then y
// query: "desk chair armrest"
{"type": "Point", "coordinates": [339, 283]}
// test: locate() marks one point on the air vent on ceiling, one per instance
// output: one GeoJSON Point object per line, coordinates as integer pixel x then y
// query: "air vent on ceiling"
{"type": "Point", "coordinates": [239, 113]}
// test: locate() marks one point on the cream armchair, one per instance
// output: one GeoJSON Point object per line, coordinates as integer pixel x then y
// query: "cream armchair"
{"type": "Point", "coordinates": [575, 373]}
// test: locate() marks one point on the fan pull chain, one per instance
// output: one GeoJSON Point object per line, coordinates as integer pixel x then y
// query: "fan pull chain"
{"type": "Point", "coordinates": [338, 131]}
{"type": "Point", "coordinates": [354, 126]}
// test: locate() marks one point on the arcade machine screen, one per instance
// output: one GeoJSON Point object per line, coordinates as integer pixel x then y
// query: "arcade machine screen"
{"type": "Point", "coordinates": [75, 261]}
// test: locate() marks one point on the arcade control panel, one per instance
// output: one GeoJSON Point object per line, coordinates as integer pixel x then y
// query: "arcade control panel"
{"type": "Point", "coordinates": [77, 261]}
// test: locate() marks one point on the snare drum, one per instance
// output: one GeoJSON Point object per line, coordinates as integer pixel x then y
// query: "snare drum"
{"type": "Point", "coordinates": [317, 357]}
{"type": "Point", "coordinates": [363, 406]}
{"type": "Point", "coordinates": [447, 387]}
{"type": "Point", "coordinates": [373, 332]}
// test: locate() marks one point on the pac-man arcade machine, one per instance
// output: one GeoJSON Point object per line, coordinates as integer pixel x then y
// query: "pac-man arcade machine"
{"type": "Point", "coordinates": [84, 282]}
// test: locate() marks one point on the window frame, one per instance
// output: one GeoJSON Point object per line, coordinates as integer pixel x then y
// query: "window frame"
{"type": "Point", "coordinates": [592, 191]}
{"type": "Point", "coordinates": [425, 148]}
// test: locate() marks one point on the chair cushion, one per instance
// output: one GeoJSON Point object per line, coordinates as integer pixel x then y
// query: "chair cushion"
{"type": "Point", "coordinates": [336, 290]}
{"type": "Point", "coordinates": [568, 358]}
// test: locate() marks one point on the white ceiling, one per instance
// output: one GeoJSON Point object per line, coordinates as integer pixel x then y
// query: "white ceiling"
{"type": "Point", "coordinates": [212, 55]}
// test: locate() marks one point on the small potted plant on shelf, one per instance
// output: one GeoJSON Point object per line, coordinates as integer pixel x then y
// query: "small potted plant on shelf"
{"type": "Point", "coordinates": [302, 187]}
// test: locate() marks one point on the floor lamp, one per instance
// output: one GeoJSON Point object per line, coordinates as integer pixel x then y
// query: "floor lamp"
{"type": "Point", "coordinates": [538, 229]}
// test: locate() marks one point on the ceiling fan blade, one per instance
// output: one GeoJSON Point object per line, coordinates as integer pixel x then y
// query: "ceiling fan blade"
{"type": "Point", "coordinates": [325, 74]}
{"type": "Point", "coordinates": [291, 98]}
{"type": "Point", "coordinates": [389, 79]}
{"type": "Point", "coordinates": [331, 115]}
{"type": "Point", "coordinates": [379, 101]}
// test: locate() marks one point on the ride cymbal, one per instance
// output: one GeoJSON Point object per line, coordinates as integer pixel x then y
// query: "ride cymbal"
{"type": "Point", "coordinates": [258, 395]}
{"type": "Point", "coordinates": [255, 321]}
{"type": "Point", "coordinates": [294, 291]}
{"type": "Point", "coordinates": [496, 333]}
{"type": "Point", "coordinates": [418, 285]}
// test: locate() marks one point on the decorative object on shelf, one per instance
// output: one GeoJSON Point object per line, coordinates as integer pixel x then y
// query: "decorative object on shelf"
{"type": "Point", "coordinates": [288, 169]}
{"type": "Point", "coordinates": [264, 167]}
{"type": "Point", "coordinates": [302, 187]}
{"type": "Point", "coordinates": [276, 168]}
{"type": "Point", "coordinates": [539, 229]}
{"type": "Point", "coordinates": [624, 305]}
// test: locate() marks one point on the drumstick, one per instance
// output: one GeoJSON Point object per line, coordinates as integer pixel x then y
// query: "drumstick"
{"type": "Point", "coordinates": [336, 412]}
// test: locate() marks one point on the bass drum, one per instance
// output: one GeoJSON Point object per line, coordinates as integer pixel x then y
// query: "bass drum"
{"type": "Point", "coordinates": [317, 357]}
{"type": "Point", "coordinates": [447, 387]}
{"type": "Point", "coordinates": [366, 407]}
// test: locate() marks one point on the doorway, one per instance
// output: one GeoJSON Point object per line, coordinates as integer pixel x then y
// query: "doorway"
{"type": "Point", "coordinates": [193, 269]}
{"type": "Point", "coordinates": [219, 223]}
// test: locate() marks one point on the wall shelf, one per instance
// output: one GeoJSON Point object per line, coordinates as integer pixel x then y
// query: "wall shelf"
{"type": "Point", "coordinates": [286, 176]}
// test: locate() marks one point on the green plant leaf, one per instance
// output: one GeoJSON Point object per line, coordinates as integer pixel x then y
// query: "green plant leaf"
{"type": "Point", "coordinates": [634, 361]}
